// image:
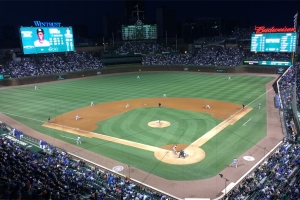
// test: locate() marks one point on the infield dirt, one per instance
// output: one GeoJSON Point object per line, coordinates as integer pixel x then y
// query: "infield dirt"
{"type": "Point", "coordinates": [91, 115]}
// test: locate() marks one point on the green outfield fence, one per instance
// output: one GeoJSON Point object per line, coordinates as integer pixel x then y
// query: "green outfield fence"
{"type": "Point", "coordinates": [137, 68]}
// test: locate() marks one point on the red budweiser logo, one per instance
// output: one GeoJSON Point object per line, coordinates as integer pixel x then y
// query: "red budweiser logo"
{"type": "Point", "coordinates": [262, 29]}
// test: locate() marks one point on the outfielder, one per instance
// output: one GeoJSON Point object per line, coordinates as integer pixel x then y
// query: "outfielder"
{"type": "Point", "coordinates": [207, 106]}
{"type": "Point", "coordinates": [138, 77]}
{"type": "Point", "coordinates": [259, 105]}
{"type": "Point", "coordinates": [234, 163]}
{"type": "Point", "coordinates": [228, 77]}
{"type": "Point", "coordinates": [92, 103]}
{"type": "Point", "coordinates": [78, 140]}
{"type": "Point", "coordinates": [36, 87]}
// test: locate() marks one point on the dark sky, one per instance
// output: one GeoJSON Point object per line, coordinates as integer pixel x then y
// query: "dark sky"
{"type": "Point", "coordinates": [265, 12]}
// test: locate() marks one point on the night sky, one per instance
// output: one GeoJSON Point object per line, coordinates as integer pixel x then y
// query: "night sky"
{"type": "Point", "coordinates": [90, 13]}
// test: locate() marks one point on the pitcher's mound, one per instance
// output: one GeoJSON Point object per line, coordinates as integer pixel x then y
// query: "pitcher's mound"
{"type": "Point", "coordinates": [159, 124]}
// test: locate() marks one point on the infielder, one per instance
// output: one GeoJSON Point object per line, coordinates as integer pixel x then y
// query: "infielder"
{"type": "Point", "coordinates": [78, 117]}
{"type": "Point", "coordinates": [78, 140]}
{"type": "Point", "coordinates": [127, 105]}
{"type": "Point", "coordinates": [175, 149]}
{"type": "Point", "coordinates": [165, 96]}
{"type": "Point", "coordinates": [138, 77]}
{"type": "Point", "coordinates": [234, 163]}
{"type": "Point", "coordinates": [207, 106]}
{"type": "Point", "coordinates": [92, 103]}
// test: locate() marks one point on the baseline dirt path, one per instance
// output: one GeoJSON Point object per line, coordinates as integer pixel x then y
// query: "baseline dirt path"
{"type": "Point", "coordinates": [91, 115]}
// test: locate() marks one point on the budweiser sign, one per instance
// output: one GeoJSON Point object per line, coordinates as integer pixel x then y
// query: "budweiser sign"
{"type": "Point", "coordinates": [262, 29]}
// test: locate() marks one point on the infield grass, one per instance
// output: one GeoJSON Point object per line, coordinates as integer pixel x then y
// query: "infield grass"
{"type": "Point", "coordinates": [33, 107]}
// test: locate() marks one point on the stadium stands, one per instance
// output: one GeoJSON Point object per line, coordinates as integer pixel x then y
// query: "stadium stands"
{"type": "Point", "coordinates": [54, 174]}
{"type": "Point", "coordinates": [141, 47]}
{"type": "Point", "coordinates": [206, 56]}
{"type": "Point", "coordinates": [49, 64]}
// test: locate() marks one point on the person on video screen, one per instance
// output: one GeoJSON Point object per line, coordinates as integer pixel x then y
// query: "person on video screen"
{"type": "Point", "coordinates": [41, 42]}
{"type": "Point", "coordinates": [68, 33]}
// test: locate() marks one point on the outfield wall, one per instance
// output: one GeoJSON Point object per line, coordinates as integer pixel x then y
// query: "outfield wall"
{"type": "Point", "coordinates": [136, 68]}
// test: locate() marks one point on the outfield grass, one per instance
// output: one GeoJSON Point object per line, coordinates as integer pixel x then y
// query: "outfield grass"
{"type": "Point", "coordinates": [33, 107]}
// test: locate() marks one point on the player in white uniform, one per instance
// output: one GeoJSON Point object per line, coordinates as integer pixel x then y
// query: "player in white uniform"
{"type": "Point", "coordinates": [138, 77]}
{"type": "Point", "coordinates": [92, 103]}
{"type": "Point", "coordinates": [36, 87]}
{"type": "Point", "coordinates": [175, 149]}
{"type": "Point", "coordinates": [207, 106]}
{"type": "Point", "coordinates": [229, 78]}
{"type": "Point", "coordinates": [259, 105]}
{"type": "Point", "coordinates": [127, 105]}
{"type": "Point", "coordinates": [158, 121]}
{"type": "Point", "coordinates": [234, 162]}
{"type": "Point", "coordinates": [78, 140]}
{"type": "Point", "coordinates": [165, 95]}
{"type": "Point", "coordinates": [78, 117]}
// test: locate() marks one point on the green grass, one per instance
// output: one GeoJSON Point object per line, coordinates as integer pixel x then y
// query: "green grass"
{"type": "Point", "coordinates": [133, 126]}
{"type": "Point", "coordinates": [33, 107]}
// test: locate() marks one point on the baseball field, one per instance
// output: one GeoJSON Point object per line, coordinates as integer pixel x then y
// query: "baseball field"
{"type": "Point", "coordinates": [211, 137]}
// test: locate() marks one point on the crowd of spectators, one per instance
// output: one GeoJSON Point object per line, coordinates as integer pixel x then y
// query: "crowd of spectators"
{"type": "Point", "coordinates": [28, 175]}
{"type": "Point", "coordinates": [167, 59]}
{"type": "Point", "coordinates": [237, 35]}
{"type": "Point", "coordinates": [205, 56]}
{"type": "Point", "coordinates": [141, 47]}
{"type": "Point", "coordinates": [50, 64]}
{"type": "Point", "coordinates": [269, 56]}
{"type": "Point", "coordinates": [276, 178]}
{"type": "Point", "coordinates": [287, 84]}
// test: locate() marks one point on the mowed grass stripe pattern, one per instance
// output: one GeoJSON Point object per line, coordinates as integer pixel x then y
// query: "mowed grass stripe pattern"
{"type": "Point", "coordinates": [185, 127]}
{"type": "Point", "coordinates": [54, 99]}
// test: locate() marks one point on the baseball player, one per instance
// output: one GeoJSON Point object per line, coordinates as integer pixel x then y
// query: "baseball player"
{"type": "Point", "coordinates": [207, 106]}
{"type": "Point", "coordinates": [234, 163]}
{"type": "Point", "coordinates": [78, 140]}
{"type": "Point", "coordinates": [174, 149]}
{"type": "Point", "coordinates": [182, 154]}
{"type": "Point", "coordinates": [78, 117]}
{"type": "Point", "coordinates": [228, 77]}
{"type": "Point", "coordinates": [158, 121]}
{"type": "Point", "coordinates": [92, 103]}
{"type": "Point", "coordinates": [127, 105]}
{"type": "Point", "coordinates": [138, 77]}
{"type": "Point", "coordinates": [49, 120]}
{"type": "Point", "coordinates": [243, 106]}
{"type": "Point", "coordinates": [36, 87]}
{"type": "Point", "coordinates": [259, 105]}
{"type": "Point", "coordinates": [165, 96]}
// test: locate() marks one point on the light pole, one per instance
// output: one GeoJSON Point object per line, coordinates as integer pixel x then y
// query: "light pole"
{"type": "Point", "coordinates": [129, 171]}
{"type": "Point", "coordinates": [104, 44]}
{"type": "Point", "coordinates": [226, 180]}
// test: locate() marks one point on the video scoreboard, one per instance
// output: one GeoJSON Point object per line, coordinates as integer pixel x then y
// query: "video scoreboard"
{"type": "Point", "coordinates": [273, 42]}
{"type": "Point", "coordinates": [139, 31]}
{"type": "Point", "coordinates": [46, 39]}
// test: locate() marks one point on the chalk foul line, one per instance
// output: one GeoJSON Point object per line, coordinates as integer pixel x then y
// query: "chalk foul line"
{"type": "Point", "coordinates": [246, 122]}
